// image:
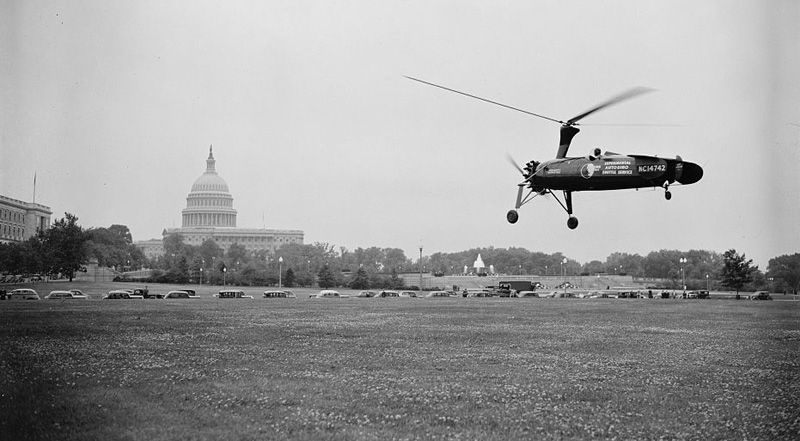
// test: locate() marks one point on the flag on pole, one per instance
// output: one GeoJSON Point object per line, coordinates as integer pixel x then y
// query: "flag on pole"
{"type": "Point", "coordinates": [34, 187]}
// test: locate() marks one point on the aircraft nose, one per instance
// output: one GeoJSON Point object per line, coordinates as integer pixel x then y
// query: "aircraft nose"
{"type": "Point", "coordinates": [691, 173]}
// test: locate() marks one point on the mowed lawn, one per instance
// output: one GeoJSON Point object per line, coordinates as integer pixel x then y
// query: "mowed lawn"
{"type": "Point", "coordinates": [354, 369]}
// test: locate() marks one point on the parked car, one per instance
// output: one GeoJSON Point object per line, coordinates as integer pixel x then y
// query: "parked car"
{"type": "Point", "coordinates": [329, 294]}
{"type": "Point", "coordinates": [232, 294]}
{"type": "Point", "coordinates": [385, 293]}
{"type": "Point", "coordinates": [758, 295]}
{"type": "Point", "coordinates": [527, 294]}
{"type": "Point", "coordinates": [366, 294]}
{"type": "Point", "coordinates": [23, 294]}
{"type": "Point", "coordinates": [436, 294]}
{"type": "Point", "coordinates": [479, 292]}
{"type": "Point", "coordinates": [179, 295]}
{"type": "Point", "coordinates": [408, 294]}
{"type": "Point", "coordinates": [78, 294]}
{"type": "Point", "coordinates": [62, 295]}
{"type": "Point", "coordinates": [118, 294]}
{"type": "Point", "coordinates": [274, 294]}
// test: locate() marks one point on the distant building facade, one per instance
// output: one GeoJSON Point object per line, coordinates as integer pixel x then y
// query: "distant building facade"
{"type": "Point", "coordinates": [20, 220]}
{"type": "Point", "coordinates": [209, 214]}
{"type": "Point", "coordinates": [152, 248]}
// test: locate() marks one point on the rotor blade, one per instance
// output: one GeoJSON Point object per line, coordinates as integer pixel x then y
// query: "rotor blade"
{"type": "Point", "coordinates": [514, 163]}
{"type": "Point", "coordinates": [484, 99]}
{"type": "Point", "coordinates": [621, 97]}
{"type": "Point", "coordinates": [631, 125]}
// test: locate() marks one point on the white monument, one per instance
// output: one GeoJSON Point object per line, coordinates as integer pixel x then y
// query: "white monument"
{"type": "Point", "coordinates": [478, 265]}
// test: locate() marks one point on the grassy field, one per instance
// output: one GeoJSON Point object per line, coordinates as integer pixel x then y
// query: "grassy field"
{"type": "Point", "coordinates": [450, 368]}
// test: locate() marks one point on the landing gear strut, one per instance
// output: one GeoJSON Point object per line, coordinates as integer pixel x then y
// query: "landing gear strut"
{"type": "Point", "coordinates": [572, 222]}
{"type": "Point", "coordinates": [667, 194]}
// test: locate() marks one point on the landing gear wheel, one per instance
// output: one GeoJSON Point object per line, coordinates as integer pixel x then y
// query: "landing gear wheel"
{"type": "Point", "coordinates": [512, 216]}
{"type": "Point", "coordinates": [572, 222]}
{"type": "Point", "coordinates": [668, 195]}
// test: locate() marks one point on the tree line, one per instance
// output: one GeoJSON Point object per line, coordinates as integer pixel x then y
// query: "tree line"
{"type": "Point", "coordinates": [63, 249]}
{"type": "Point", "coordinates": [66, 247]}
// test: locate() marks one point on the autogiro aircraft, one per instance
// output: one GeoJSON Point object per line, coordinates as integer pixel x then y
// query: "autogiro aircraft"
{"type": "Point", "coordinates": [596, 172]}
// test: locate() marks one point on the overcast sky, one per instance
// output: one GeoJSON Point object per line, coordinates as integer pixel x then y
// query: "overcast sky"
{"type": "Point", "coordinates": [113, 106]}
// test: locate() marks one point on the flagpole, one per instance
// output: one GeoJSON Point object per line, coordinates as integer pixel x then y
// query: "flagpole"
{"type": "Point", "coordinates": [34, 187]}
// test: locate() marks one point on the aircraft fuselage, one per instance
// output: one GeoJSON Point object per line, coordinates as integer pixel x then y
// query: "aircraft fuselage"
{"type": "Point", "coordinates": [613, 172]}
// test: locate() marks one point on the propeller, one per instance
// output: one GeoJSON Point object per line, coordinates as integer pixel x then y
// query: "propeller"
{"type": "Point", "coordinates": [514, 163]}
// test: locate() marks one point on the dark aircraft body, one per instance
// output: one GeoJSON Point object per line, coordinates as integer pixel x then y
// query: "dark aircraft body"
{"type": "Point", "coordinates": [613, 171]}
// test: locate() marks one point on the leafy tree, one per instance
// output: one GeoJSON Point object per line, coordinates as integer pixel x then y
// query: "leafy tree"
{"type": "Point", "coordinates": [289, 279]}
{"type": "Point", "coordinates": [396, 282]}
{"type": "Point", "coordinates": [238, 253]}
{"type": "Point", "coordinates": [64, 242]}
{"type": "Point", "coordinates": [736, 271]}
{"type": "Point", "coordinates": [361, 280]}
{"type": "Point", "coordinates": [210, 251]}
{"type": "Point", "coordinates": [325, 277]}
{"type": "Point", "coordinates": [785, 270]}
{"type": "Point", "coordinates": [113, 246]}
{"type": "Point", "coordinates": [593, 267]}
{"type": "Point", "coordinates": [173, 244]}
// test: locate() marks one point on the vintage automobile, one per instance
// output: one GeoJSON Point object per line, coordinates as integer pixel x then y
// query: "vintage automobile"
{"type": "Point", "coordinates": [23, 294]}
{"type": "Point", "coordinates": [276, 294]}
{"type": "Point", "coordinates": [366, 294]}
{"type": "Point", "coordinates": [522, 294]}
{"type": "Point", "coordinates": [408, 294]}
{"type": "Point", "coordinates": [384, 294]}
{"type": "Point", "coordinates": [179, 295]}
{"type": "Point", "coordinates": [63, 295]}
{"type": "Point", "coordinates": [232, 294]}
{"type": "Point", "coordinates": [118, 294]}
{"type": "Point", "coordinates": [760, 295]}
{"type": "Point", "coordinates": [437, 294]}
{"type": "Point", "coordinates": [329, 294]}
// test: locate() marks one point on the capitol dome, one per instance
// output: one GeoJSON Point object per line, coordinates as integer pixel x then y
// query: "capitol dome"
{"type": "Point", "coordinates": [209, 203]}
{"type": "Point", "coordinates": [210, 182]}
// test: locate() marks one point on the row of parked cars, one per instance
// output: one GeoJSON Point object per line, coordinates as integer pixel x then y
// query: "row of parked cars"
{"type": "Point", "coordinates": [329, 293]}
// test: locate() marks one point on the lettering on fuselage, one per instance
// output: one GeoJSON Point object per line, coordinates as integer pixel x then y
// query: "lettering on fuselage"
{"type": "Point", "coordinates": [618, 167]}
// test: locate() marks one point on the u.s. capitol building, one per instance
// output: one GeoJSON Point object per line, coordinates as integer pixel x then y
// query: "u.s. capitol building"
{"type": "Point", "coordinates": [209, 214]}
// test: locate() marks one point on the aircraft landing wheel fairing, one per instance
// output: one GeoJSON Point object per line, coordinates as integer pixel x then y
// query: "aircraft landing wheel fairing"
{"type": "Point", "coordinates": [572, 222]}
{"type": "Point", "coordinates": [512, 216]}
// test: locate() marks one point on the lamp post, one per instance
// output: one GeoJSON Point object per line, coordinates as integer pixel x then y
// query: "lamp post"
{"type": "Point", "coordinates": [420, 267]}
{"type": "Point", "coordinates": [224, 272]}
{"type": "Point", "coordinates": [564, 274]}
{"type": "Point", "coordinates": [683, 277]}
{"type": "Point", "coordinates": [201, 275]}
{"type": "Point", "coordinates": [707, 288]}
{"type": "Point", "coordinates": [280, 270]}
